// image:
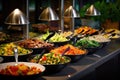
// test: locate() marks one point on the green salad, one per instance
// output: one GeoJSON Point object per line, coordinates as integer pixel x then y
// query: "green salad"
{"type": "Point", "coordinates": [86, 43]}
{"type": "Point", "coordinates": [51, 58]}
{"type": "Point", "coordinates": [58, 38]}
{"type": "Point", "coordinates": [44, 36]}
{"type": "Point", "coordinates": [7, 50]}
{"type": "Point", "coordinates": [55, 38]}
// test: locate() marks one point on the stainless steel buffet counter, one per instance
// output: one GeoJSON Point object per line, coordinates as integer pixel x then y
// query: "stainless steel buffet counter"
{"type": "Point", "coordinates": [75, 71]}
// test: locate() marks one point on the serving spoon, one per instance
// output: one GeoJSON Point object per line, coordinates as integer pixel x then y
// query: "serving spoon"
{"type": "Point", "coordinates": [15, 49]}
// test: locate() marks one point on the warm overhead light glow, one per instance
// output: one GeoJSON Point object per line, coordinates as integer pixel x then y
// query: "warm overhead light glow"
{"type": "Point", "coordinates": [16, 11]}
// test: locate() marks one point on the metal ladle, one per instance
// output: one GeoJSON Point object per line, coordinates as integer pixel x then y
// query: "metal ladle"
{"type": "Point", "coordinates": [16, 55]}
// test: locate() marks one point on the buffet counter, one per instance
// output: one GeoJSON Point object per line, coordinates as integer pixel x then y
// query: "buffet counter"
{"type": "Point", "coordinates": [75, 71]}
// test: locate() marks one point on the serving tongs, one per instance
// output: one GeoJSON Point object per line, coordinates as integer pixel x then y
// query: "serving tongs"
{"type": "Point", "coordinates": [110, 32]}
{"type": "Point", "coordinates": [67, 49]}
{"type": "Point", "coordinates": [40, 56]}
{"type": "Point", "coordinates": [52, 34]}
{"type": "Point", "coordinates": [15, 49]}
{"type": "Point", "coordinates": [80, 35]}
{"type": "Point", "coordinates": [70, 36]}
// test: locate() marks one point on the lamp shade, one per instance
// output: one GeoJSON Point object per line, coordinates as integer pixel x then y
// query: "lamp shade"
{"type": "Point", "coordinates": [16, 18]}
{"type": "Point", "coordinates": [71, 12]}
{"type": "Point", "coordinates": [48, 14]}
{"type": "Point", "coordinates": [92, 11]}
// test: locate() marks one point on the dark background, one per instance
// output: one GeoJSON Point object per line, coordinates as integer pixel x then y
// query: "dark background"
{"type": "Point", "coordinates": [36, 7]}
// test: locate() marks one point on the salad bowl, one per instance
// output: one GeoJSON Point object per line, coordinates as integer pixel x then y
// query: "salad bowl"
{"type": "Point", "coordinates": [53, 62]}
{"type": "Point", "coordinates": [21, 71]}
